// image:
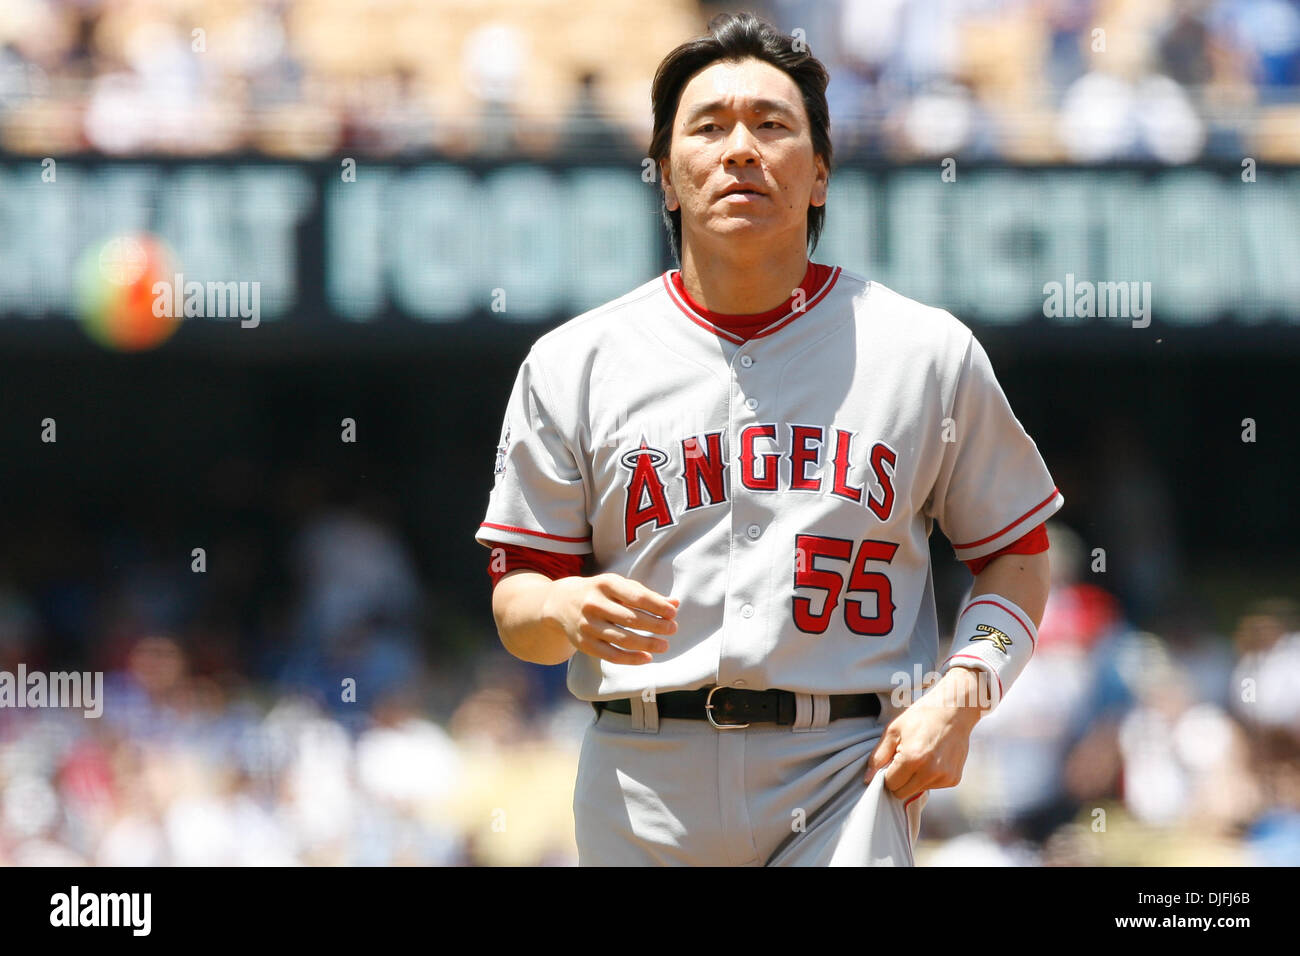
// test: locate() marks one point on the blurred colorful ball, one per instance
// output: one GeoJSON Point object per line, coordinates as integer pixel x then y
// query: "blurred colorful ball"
{"type": "Point", "coordinates": [115, 291]}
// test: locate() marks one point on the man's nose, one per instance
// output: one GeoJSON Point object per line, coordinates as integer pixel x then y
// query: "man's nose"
{"type": "Point", "coordinates": [740, 146]}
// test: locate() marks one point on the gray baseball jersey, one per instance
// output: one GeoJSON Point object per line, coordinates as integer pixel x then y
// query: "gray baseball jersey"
{"type": "Point", "coordinates": [783, 488]}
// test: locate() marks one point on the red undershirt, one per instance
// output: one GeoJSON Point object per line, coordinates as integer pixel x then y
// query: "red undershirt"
{"type": "Point", "coordinates": [556, 565]}
{"type": "Point", "coordinates": [745, 326]}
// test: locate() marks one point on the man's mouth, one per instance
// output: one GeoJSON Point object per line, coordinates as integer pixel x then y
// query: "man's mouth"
{"type": "Point", "coordinates": [741, 193]}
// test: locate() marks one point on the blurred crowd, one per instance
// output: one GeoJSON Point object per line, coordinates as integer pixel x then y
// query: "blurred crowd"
{"type": "Point", "coordinates": [334, 725]}
{"type": "Point", "coordinates": [356, 742]}
{"type": "Point", "coordinates": [1169, 81]}
{"type": "Point", "coordinates": [1174, 745]}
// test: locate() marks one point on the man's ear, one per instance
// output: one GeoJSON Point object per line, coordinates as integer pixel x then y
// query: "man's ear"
{"type": "Point", "coordinates": [820, 184]}
{"type": "Point", "coordinates": [670, 194]}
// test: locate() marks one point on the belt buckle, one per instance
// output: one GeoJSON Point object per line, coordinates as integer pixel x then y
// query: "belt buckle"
{"type": "Point", "coordinates": [708, 711]}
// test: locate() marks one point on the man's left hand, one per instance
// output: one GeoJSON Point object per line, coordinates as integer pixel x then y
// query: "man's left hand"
{"type": "Point", "coordinates": [925, 747]}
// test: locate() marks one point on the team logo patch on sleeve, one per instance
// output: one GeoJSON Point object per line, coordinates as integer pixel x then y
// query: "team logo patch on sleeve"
{"type": "Point", "coordinates": [1001, 639]}
{"type": "Point", "coordinates": [499, 468]}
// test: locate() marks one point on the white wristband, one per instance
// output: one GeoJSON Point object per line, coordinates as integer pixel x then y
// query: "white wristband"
{"type": "Point", "coordinates": [995, 635]}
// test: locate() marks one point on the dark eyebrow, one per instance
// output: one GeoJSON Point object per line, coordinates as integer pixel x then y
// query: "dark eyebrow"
{"type": "Point", "coordinates": [757, 106]}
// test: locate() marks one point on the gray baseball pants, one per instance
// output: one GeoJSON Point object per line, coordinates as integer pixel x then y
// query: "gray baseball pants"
{"type": "Point", "coordinates": [674, 792]}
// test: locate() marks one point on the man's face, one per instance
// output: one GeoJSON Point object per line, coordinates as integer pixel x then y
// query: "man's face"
{"type": "Point", "coordinates": [741, 162]}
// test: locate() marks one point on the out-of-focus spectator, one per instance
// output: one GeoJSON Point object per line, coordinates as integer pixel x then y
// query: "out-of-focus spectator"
{"type": "Point", "coordinates": [1263, 686]}
{"type": "Point", "coordinates": [1136, 526]}
{"type": "Point", "coordinates": [587, 130]}
{"type": "Point", "coordinates": [495, 60]}
{"type": "Point", "coordinates": [1178, 755]}
{"type": "Point", "coordinates": [1267, 32]}
{"type": "Point", "coordinates": [358, 608]}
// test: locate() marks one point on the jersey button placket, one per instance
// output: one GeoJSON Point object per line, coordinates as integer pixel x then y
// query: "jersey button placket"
{"type": "Point", "coordinates": [742, 406]}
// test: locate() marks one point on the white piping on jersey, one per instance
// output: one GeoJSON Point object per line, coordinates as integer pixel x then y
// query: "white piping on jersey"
{"type": "Point", "coordinates": [768, 329]}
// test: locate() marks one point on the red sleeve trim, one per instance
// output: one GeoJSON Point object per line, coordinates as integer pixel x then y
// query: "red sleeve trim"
{"type": "Point", "coordinates": [1033, 542]}
{"type": "Point", "coordinates": [518, 558]}
{"type": "Point", "coordinates": [985, 540]}
{"type": "Point", "coordinates": [538, 534]}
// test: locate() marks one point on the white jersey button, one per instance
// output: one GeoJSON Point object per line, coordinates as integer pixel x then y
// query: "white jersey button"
{"type": "Point", "coordinates": [753, 531]}
{"type": "Point", "coordinates": [746, 361]}
{"type": "Point", "coordinates": [747, 610]}
{"type": "Point", "coordinates": [751, 403]}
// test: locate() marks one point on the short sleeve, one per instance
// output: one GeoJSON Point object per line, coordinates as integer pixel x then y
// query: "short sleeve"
{"type": "Point", "coordinates": [538, 499]}
{"type": "Point", "coordinates": [993, 486]}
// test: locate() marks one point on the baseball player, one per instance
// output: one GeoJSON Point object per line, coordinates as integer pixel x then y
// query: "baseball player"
{"type": "Point", "coordinates": [713, 498]}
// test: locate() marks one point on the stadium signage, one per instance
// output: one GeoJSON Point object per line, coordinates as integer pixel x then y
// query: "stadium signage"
{"type": "Point", "coordinates": [446, 244]}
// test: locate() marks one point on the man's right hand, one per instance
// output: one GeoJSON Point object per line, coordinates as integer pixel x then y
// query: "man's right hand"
{"type": "Point", "coordinates": [595, 612]}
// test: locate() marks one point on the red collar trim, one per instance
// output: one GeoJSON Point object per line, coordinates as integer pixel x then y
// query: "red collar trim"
{"type": "Point", "coordinates": [817, 283]}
